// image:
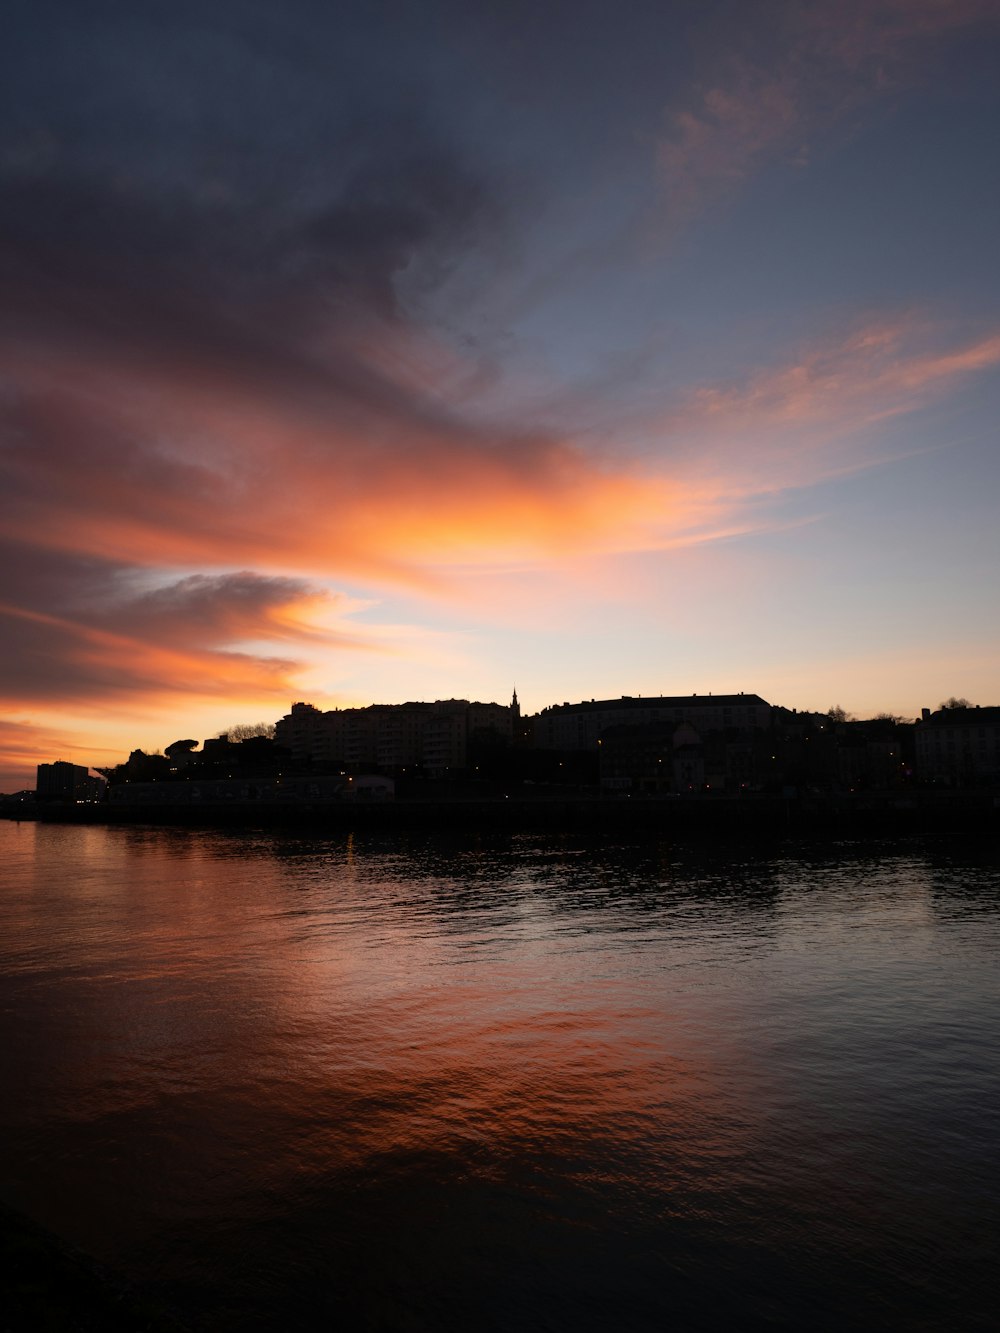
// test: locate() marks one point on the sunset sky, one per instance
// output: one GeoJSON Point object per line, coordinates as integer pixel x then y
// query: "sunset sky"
{"type": "Point", "coordinates": [364, 352]}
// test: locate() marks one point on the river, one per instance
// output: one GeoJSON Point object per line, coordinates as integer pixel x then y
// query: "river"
{"type": "Point", "coordinates": [507, 1082]}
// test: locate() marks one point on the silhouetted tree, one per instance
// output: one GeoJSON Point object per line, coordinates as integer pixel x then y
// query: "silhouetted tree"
{"type": "Point", "coordinates": [838, 714]}
{"type": "Point", "coordinates": [180, 747]}
{"type": "Point", "coordinates": [955, 703]}
{"type": "Point", "coordinates": [246, 731]}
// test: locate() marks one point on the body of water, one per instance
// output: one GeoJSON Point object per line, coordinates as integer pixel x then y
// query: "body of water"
{"type": "Point", "coordinates": [507, 1083]}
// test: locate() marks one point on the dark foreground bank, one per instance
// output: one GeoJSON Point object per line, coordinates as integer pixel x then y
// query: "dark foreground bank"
{"type": "Point", "coordinates": [926, 813]}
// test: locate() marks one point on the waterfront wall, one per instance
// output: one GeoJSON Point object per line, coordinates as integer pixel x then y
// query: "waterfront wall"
{"type": "Point", "coordinates": [975, 813]}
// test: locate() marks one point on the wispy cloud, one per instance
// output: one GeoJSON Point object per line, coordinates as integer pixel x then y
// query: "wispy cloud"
{"type": "Point", "coordinates": [767, 96]}
{"type": "Point", "coordinates": [63, 659]}
{"type": "Point", "coordinates": [814, 416]}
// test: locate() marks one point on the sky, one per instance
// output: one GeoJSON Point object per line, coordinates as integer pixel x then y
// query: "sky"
{"type": "Point", "coordinates": [365, 352]}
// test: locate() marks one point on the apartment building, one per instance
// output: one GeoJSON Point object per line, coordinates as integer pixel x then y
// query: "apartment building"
{"type": "Point", "coordinates": [958, 746]}
{"type": "Point", "coordinates": [62, 781]}
{"type": "Point", "coordinates": [578, 726]}
{"type": "Point", "coordinates": [435, 736]}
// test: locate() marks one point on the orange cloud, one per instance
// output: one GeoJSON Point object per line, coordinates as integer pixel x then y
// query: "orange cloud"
{"type": "Point", "coordinates": [118, 474]}
{"type": "Point", "coordinates": [120, 662]}
{"type": "Point", "coordinates": [204, 638]}
{"type": "Point", "coordinates": [238, 473]}
{"type": "Point", "coordinates": [175, 655]}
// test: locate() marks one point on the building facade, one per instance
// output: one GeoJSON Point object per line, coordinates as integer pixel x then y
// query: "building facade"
{"type": "Point", "coordinates": [579, 726]}
{"type": "Point", "coordinates": [394, 737]}
{"type": "Point", "coordinates": [62, 781]}
{"type": "Point", "coordinates": [959, 747]}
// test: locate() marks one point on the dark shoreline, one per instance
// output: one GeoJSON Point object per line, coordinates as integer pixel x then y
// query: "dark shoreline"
{"type": "Point", "coordinates": [714, 817]}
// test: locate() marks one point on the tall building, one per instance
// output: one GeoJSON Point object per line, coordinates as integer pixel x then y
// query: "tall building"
{"type": "Point", "coordinates": [62, 781]}
{"type": "Point", "coordinates": [434, 736]}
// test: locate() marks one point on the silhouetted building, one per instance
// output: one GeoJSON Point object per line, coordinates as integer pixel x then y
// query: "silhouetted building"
{"type": "Point", "coordinates": [868, 761]}
{"type": "Point", "coordinates": [578, 726]}
{"type": "Point", "coordinates": [14, 799]}
{"type": "Point", "coordinates": [434, 736]}
{"type": "Point", "coordinates": [664, 757]}
{"type": "Point", "coordinates": [653, 759]}
{"type": "Point", "coordinates": [62, 781]}
{"type": "Point", "coordinates": [959, 746]}
{"type": "Point", "coordinates": [301, 730]}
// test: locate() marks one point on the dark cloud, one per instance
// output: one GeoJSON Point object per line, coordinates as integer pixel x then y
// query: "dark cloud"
{"type": "Point", "coordinates": [214, 291]}
{"type": "Point", "coordinates": [229, 195]}
{"type": "Point", "coordinates": [406, 210]}
{"type": "Point", "coordinates": [35, 578]}
{"type": "Point", "coordinates": [75, 474]}
{"type": "Point", "coordinates": [86, 629]}
{"type": "Point", "coordinates": [208, 610]}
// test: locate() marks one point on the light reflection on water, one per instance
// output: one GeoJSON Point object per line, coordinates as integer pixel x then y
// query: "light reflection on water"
{"type": "Point", "coordinates": [507, 1083]}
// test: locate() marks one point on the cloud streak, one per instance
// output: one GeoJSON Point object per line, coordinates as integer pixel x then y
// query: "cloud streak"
{"type": "Point", "coordinates": [881, 369]}
{"type": "Point", "coordinates": [156, 644]}
{"type": "Point", "coordinates": [817, 415]}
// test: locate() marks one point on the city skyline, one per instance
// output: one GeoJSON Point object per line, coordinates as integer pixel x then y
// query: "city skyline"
{"type": "Point", "coordinates": [363, 355]}
{"type": "Point", "coordinates": [540, 732]}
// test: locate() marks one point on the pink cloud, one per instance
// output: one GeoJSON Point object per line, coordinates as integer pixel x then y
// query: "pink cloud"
{"type": "Point", "coordinates": [715, 143]}
{"type": "Point", "coordinates": [880, 369]}
{"type": "Point", "coordinates": [823, 60]}
{"type": "Point", "coordinates": [812, 417]}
